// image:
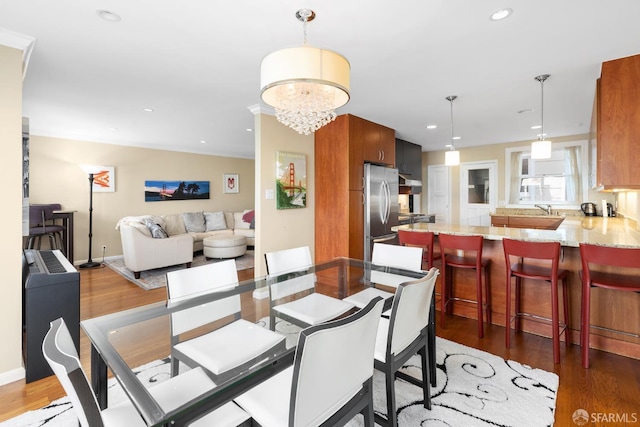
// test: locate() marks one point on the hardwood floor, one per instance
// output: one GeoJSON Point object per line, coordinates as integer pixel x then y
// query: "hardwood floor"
{"type": "Point", "coordinates": [610, 386]}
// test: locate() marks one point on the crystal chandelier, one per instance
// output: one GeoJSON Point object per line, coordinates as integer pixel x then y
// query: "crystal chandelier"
{"type": "Point", "coordinates": [305, 84]}
{"type": "Point", "coordinates": [541, 149]}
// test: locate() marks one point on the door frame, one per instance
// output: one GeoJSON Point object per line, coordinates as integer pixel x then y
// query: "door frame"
{"type": "Point", "coordinates": [446, 192]}
{"type": "Point", "coordinates": [492, 165]}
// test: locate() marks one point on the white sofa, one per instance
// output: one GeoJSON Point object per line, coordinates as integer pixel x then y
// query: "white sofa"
{"type": "Point", "coordinates": [142, 251]}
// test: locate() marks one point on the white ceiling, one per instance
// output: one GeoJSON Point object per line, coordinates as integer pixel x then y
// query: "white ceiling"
{"type": "Point", "coordinates": [197, 64]}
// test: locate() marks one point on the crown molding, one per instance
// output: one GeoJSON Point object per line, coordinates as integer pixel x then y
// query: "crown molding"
{"type": "Point", "coordinates": [21, 42]}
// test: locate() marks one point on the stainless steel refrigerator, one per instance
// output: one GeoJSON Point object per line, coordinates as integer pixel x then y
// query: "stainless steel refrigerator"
{"type": "Point", "coordinates": [380, 206]}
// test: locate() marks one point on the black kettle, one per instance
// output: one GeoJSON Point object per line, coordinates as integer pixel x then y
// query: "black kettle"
{"type": "Point", "coordinates": [589, 209]}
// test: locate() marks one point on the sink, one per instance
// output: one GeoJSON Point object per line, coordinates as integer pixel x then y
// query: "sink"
{"type": "Point", "coordinates": [540, 222]}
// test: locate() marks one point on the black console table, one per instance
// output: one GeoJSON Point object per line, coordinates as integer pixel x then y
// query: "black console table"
{"type": "Point", "coordinates": [67, 235]}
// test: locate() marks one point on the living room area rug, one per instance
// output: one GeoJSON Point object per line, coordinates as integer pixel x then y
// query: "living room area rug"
{"type": "Point", "coordinates": [475, 388]}
{"type": "Point", "coordinates": [156, 278]}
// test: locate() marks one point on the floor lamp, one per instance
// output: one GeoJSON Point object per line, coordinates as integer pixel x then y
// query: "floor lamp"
{"type": "Point", "coordinates": [91, 170]}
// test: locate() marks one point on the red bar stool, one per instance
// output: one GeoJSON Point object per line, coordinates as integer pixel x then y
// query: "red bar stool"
{"type": "Point", "coordinates": [423, 239]}
{"type": "Point", "coordinates": [470, 258]}
{"type": "Point", "coordinates": [548, 253]}
{"type": "Point", "coordinates": [597, 265]}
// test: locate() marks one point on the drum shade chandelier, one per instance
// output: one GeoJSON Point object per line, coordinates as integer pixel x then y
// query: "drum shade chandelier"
{"type": "Point", "coordinates": [305, 85]}
{"type": "Point", "coordinates": [541, 149]}
{"type": "Point", "coordinates": [451, 157]}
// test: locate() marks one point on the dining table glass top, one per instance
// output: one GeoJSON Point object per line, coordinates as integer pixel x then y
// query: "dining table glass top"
{"type": "Point", "coordinates": [124, 341]}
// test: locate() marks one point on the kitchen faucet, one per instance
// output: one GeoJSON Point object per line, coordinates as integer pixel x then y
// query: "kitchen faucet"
{"type": "Point", "coordinates": [547, 208]}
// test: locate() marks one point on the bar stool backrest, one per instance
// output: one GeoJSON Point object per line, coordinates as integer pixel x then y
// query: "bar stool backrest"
{"type": "Point", "coordinates": [533, 250]}
{"type": "Point", "coordinates": [423, 239]}
{"type": "Point", "coordinates": [609, 256]}
{"type": "Point", "coordinates": [450, 243]}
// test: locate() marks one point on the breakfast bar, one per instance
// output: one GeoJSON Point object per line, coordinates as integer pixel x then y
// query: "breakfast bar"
{"type": "Point", "coordinates": [609, 309]}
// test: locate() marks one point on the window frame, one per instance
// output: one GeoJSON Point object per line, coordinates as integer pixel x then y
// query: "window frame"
{"type": "Point", "coordinates": [584, 172]}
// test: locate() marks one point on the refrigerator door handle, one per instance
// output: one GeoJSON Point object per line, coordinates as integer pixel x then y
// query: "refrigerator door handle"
{"type": "Point", "coordinates": [387, 201]}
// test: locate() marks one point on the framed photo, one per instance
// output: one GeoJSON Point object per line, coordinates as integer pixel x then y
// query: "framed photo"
{"type": "Point", "coordinates": [158, 191]}
{"type": "Point", "coordinates": [104, 181]}
{"type": "Point", "coordinates": [230, 183]}
{"type": "Point", "coordinates": [291, 180]}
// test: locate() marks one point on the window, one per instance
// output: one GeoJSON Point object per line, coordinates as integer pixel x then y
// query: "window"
{"type": "Point", "coordinates": [559, 180]}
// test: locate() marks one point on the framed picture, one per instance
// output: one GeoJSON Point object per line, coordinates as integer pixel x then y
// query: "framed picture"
{"type": "Point", "coordinates": [230, 183]}
{"type": "Point", "coordinates": [104, 181]}
{"type": "Point", "coordinates": [291, 180]}
{"type": "Point", "coordinates": [158, 191]}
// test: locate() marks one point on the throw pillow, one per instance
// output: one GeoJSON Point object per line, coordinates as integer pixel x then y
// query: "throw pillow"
{"type": "Point", "coordinates": [194, 221]}
{"type": "Point", "coordinates": [239, 223]}
{"type": "Point", "coordinates": [214, 221]}
{"type": "Point", "coordinates": [157, 232]}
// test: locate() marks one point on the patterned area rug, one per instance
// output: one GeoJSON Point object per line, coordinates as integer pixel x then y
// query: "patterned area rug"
{"type": "Point", "coordinates": [152, 279]}
{"type": "Point", "coordinates": [474, 388]}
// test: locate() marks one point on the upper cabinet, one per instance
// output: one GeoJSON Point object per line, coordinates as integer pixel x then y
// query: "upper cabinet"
{"type": "Point", "coordinates": [617, 119]}
{"type": "Point", "coordinates": [378, 143]}
{"type": "Point", "coordinates": [409, 159]}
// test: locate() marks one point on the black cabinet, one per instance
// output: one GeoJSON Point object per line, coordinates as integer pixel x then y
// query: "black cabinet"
{"type": "Point", "coordinates": [409, 159]}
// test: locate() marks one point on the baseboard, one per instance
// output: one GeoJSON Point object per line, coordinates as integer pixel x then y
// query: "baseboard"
{"type": "Point", "coordinates": [12, 376]}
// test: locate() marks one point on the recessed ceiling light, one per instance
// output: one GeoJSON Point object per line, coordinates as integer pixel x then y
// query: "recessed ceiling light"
{"type": "Point", "coordinates": [203, 142]}
{"type": "Point", "coordinates": [249, 130]}
{"type": "Point", "coordinates": [457, 137]}
{"type": "Point", "coordinates": [525, 111]}
{"type": "Point", "coordinates": [536, 127]}
{"type": "Point", "coordinates": [541, 135]}
{"type": "Point", "coordinates": [108, 16]}
{"type": "Point", "coordinates": [501, 14]}
{"type": "Point", "coordinates": [448, 146]}
{"type": "Point", "coordinates": [148, 110]}
{"type": "Point", "coordinates": [113, 129]}
{"type": "Point", "coordinates": [432, 126]}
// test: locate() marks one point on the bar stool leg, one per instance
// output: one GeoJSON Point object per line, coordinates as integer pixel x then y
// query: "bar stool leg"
{"type": "Point", "coordinates": [507, 341]}
{"type": "Point", "coordinates": [565, 301]}
{"type": "Point", "coordinates": [584, 324]}
{"type": "Point", "coordinates": [444, 296]}
{"type": "Point", "coordinates": [518, 310]}
{"type": "Point", "coordinates": [555, 323]}
{"type": "Point", "coordinates": [480, 308]}
{"type": "Point", "coordinates": [488, 294]}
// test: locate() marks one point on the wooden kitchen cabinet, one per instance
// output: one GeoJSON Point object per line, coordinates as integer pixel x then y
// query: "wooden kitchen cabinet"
{"type": "Point", "coordinates": [409, 159]}
{"type": "Point", "coordinates": [341, 149]}
{"type": "Point", "coordinates": [617, 119]}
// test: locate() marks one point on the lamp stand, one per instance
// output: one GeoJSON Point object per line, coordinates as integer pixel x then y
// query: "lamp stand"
{"type": "Point", "coordinates": [90, 263]}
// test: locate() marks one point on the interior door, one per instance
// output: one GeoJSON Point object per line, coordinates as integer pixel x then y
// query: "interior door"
{"type": "Point", "coordinates": [439, 189]}
{"type": "Point", "coordinates": [478, 190]}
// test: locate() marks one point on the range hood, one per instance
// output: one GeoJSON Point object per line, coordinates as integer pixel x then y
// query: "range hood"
{"type": "Point", "coordinates": [409, 186]}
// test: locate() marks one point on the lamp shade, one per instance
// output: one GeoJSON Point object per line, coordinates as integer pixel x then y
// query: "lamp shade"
{"type": "Point", "coordinates": [288, 74]}
{"type": "Point", "coordinates": [452, 158]}
{"type": "Point", "coordinates": [541, 150]}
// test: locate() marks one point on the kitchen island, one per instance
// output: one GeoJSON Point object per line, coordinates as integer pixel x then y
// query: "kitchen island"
{"type": "Point", "coordinates": [611, 309]}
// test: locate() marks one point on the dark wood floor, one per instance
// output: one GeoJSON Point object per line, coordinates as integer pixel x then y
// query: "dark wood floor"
{"type": "Point", "coordinates": [611, 385]}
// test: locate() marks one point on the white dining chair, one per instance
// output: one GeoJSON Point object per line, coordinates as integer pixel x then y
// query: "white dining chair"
{"type": "Point", "coordinates": [395, 256]}
{"type": "Point", "coordinates": [59, 351]}
{"type": "Point", "coordinates": [330, 381]}
{"type": "Point", "coordinates": [287, 276]}
{"type": "Point", "coordinates": [228, 349]}
{"type": "Point", "coordinates": [402, 335]}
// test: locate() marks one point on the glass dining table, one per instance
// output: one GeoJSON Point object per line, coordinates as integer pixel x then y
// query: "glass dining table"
{"type": "Point", "coordinates": [123, 341]}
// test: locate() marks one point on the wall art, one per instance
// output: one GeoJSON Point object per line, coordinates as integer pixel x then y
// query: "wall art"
{"type": "Point", "coordinates": [291, 180]}
{"type": "Point", "coordinates": [157, 191]}
{"type": "Point", "coordinates": [104, 181]}
{"type": "Point", "coordinates": [230, 183]}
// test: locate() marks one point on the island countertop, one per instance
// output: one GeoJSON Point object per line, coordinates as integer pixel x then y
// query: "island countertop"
{"type": "Point", "coordinates": [615, 231]}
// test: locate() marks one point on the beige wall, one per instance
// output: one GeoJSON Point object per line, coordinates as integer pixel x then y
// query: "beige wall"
{"type": "Point", "coordinates": [56, 177]}
{"type": "Point", "coordinates": [280, 229]}
{"type": "Point", "coordinates": [11, 174]}
{"type": "Point", "coordinates": [629, 204]}
{"type": "Point", "coordinates": [481, 153]}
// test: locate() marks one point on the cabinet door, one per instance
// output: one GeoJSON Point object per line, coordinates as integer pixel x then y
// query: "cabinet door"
{"type": "Point", "coordinates": [387, 145]}
{"type": "Point", "coordinates": [356, 224]}
{"type": "Point", "coordinates": [413, 160]}
{"type": "Point", "coordinates": [619, 123]}
{"type": "Point", "coordinates": [356, 153]}
{"type": "Point", "coordinates": [371, 142]}
{"type": "Point", "coordinates": [499, 221]}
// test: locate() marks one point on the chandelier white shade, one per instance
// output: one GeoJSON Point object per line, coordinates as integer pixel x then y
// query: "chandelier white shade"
{"type": "Point", "coordinates": [541, 149]}
{"type": "Point", "coordinates": [452, 157]}
{"type": "Point", "coordinates": [305, 85]}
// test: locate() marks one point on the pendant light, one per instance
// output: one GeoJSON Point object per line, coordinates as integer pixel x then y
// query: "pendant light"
{"type": "Point", "coordinates": [451, 157]}
{"type": "Point", "coordinates": [541, 149]}
{"type": "Point", "coordinates": [305, 85]}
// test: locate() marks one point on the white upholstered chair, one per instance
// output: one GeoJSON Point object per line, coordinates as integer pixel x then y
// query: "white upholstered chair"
{"type": "Point", "coordinates": [311, 309]}
{"type": "Point", "coordinates": [59, 351]}
{"type": "Point", "coordinates": [331, 380]}
{"type": "Point", "coordinates": [228, 349]}
{"type": "Point", "coordinates": [402, 335]}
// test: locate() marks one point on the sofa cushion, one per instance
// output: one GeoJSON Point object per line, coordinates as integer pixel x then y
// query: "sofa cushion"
{"type": "Point", "coordinates": [214, 221]}
{"type": "Point", "coordinates": [156, 230]}
{"type": "Point", "coordinates": [174, 224]}
{"type": "Point", "coordinates": [239, 222]}
{"type": "Point", "coordinates": [194, 221]}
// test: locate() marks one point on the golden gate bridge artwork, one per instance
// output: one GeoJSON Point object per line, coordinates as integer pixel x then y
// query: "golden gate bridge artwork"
{"type": "Point", "coordinates": [291, 180]}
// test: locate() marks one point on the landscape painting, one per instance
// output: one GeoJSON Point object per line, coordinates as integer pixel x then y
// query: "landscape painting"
{"type": "Point", "coordinates": [291, 180]}
{"type": "Point", "coordinates": [157, 191]}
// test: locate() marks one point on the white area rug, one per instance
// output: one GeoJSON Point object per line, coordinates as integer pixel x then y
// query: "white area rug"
{"type": "Point", "coordinates": [474, 388]}
{"type": "Point", "coordinates": [152, 279]}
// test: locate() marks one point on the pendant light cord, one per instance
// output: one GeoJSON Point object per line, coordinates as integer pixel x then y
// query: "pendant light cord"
{"type": "Point", "coordinates": [451, 99]}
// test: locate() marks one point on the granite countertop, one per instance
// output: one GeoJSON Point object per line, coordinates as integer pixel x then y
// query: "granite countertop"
{"type": "Point", "coordinates": [616, 231]}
